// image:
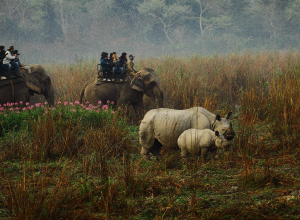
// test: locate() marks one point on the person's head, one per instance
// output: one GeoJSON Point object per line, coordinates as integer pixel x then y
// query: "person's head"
{"type": "Point", "coordinates": [131, 57]}
{"type": "Point", "coordinates": [11, 48]}
{"type": "Point", "coordinates": [114, 54]}
{"type": "Point", "coordinates": [2, 47]}
{"type": "Point", "coordinates": [124, 55]}
{"type": "Point", "coordinates": [102, 55]}
{"type": "Point", "coordinates": [106, 55]}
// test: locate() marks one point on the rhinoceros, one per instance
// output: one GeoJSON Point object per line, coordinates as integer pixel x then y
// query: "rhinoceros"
{"type": "Point", "coordinates": [196, 142]}
{"type": "Point", "coordinates": [162, 127]}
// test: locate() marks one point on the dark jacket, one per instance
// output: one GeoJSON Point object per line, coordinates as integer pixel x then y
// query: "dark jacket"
{"type": "Point", "coordinates": [104, 61]}
{"type": "Point", "coordinates": [2, 56]}
{"type": "Point", "coordinates": [111, 62]}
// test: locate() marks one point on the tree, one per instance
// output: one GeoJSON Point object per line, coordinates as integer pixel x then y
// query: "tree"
{"type": "Point", "coordinates": [159, 12]}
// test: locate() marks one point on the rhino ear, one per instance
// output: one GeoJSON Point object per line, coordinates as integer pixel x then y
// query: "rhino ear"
{"type": "Point", "coordinates": [218, 118]}
{"type": "Point", "coordinates": [217, 133]}
{"type": "Point", "coordinates": [229, 114]}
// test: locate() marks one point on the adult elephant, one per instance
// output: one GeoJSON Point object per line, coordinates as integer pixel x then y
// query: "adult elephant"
{"type": "Point", "coordinates": [129, 92]}
{"type": "Point", "coordinates": [35, 80]}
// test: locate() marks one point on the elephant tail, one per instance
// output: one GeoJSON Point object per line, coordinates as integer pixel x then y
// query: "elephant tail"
{"type": "Point", "coordinates": [81, 95]}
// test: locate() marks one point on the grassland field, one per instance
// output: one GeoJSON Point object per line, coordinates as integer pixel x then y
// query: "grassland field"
{"type": "Point", "coordinates": [75, 161]}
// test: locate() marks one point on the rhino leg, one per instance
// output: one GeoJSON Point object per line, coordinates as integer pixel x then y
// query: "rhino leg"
{"type": "Point", "coordinates": [145, 152]}
{"type": "Point", "coordinates": [146, 138]}
{"type": "Point", "coordinates": [204, 152]}
{"type": "Point", "coordinates": [213, 155]}
{"type": "Point", "coordinates": [156, 147]}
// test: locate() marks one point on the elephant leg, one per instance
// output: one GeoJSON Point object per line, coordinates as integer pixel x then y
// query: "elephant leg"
{"type": "Point", "coordinates": [138, 108]}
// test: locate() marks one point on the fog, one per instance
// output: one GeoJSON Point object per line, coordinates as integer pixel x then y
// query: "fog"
{"type": "Point", "coordinates": [59, 31]}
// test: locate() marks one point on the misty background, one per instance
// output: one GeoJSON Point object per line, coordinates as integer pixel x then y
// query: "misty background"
{"type": "Point", "coordinates": [70, 30]}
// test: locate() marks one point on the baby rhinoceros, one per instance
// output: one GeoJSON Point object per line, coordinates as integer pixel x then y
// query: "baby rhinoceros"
{"type": "Point", "coordinates": [196, 142]}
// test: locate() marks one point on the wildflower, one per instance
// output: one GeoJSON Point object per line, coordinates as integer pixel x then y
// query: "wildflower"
{"type": "Point", "coordinates": [46, 103]}
{"type": "Point", "coordinates": [42, 106]}
{"type": "Point", "coordinates": [105, 107]}
{"type": "Point", "coordinates": [46, 111]}
{"type": "Point", "coordinates": [21, 102]}
{"type": "Point", "coordinates": [16, 103]}
{"type": "Point", "coordinates": [59, 102]}
{"type": "Point", "coordinates": [85, 114]}
{"type": "Point", "coordinates": [119, 108]}
{"type": "Point", "coordinates": [16, 126]}
{"type": "Point", "coordinates": [65, 103]}
{"type": "Point", "coordinates": [113, 112]}
{"type": "Point", "coordinates": [27, 103]}
{"type": "Point", "coordinates": [53, 108]}
{"type": "Point", "coordinates": [11, 109]}
{"type": "Point", "coordinates": [112, 102]}
{"type": "Point", "coordinates": [99, 102]}
{"type": "Point", "coordinates": [105, 110]}
{"type": "Point", "coordinates": [4, 105]}
{"type": "Point", "coordinates": [108, 101]}
{"type": "Point", "coordinates": [87, 109]}
{"type": "Point", "coordinates": [60, 113]}
{"type": "Point", "coordinates": [37, 104]}
{"type": "Point", "coordinates": [18, 112]}
{"type": "Point", "coordinates": [73, 110]}
{"type": "Point", "coordinates": [77, 102]}
{"type": "Point", "coordinates": [5, 115]}
{"type": "Point", "coordinates": [97, 111]}
{"type": "Point", "coordinates": [24, 108]}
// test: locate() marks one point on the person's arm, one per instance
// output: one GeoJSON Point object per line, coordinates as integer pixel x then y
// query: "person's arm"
{"type": "Point", "coordinates": [9, 56]}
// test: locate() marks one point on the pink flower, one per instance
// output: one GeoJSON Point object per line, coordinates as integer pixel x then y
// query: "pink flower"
{"type": "Point", "coordinates": [42, 106]}
{"type": "Point", "coordinates": [113, 112]}
{"type": "Point", "coordinates": [73, 110]}
{"type": "Point", "coordinates": [11, 109]}
{"type": "Point", "coordinates": [27, 103]}
{"type": "Point", "coordinates": [58, 102]}
{"type": "Point", "coordinates": [24, 108]}
{"type": "Point", "coordinates": [16, 126]}
{"type": "Point", "coordinates": [77, 102]}
{"type": "Point", "coordinates": [87, 102]}
{"type": "Point", "coordinates": [119, 108]}
{"type": "Point", "coordinates": [18, 112]}
{"type": "Point", "coordinates": [21, 102]}
{"type": "Point", "coordinates": [99, 102]}
{"type": "Point", "coordinates": [37, 104]}
{"type": "Point", "coordinates": [46, 111]}
{"type": "Point", "coordinates": [108, 101]}
{"type": "Point", "coordinates": [105, 110]}
{"type": "Point", "coordinates": [97, 111]}
{"type": "Point", "coordinates": [16, 103]}
{"type": "Point", "coordinates": [4, 104]}
{"type": "Point", "coordinates": [87, 109]}
{"type": "Point", "coordinates": [105, 107]}
{"type": "Point", "coordinates": [112, 102]}
{"type": "Point", "coordinates": [65, 103]}
{"type": "Point", "coordinates": [5, 115]}
{"type": "Point", "coordinates": [60, 113]}
{"type": "Point", "coordinates": [53, 108]}
{"type": "Point", "coordinates": [32, 106]}
{"type": "Point", "coordinates": [46, 103]}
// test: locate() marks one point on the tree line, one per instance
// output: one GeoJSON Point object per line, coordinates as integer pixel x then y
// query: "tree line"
{"type": "Point", "coordinates": [151, 25]}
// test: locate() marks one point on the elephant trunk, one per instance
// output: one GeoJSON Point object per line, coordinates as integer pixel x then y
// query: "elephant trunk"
{"type": "Point", "coordinates": [50, 97]}
{"type": "Point", "coordinates": [158, 96]}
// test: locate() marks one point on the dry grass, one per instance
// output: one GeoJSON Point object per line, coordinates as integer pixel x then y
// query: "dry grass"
{"type": "Point", "coordinates": [81, 172]}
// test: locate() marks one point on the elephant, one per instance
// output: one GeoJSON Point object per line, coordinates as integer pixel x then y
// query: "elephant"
{"type": "Point", "coordinates": [35, 80]}
{"type": "Point", "coordinates": [162, 127]}
{"type": "Point", "coordinates": [127, 93]}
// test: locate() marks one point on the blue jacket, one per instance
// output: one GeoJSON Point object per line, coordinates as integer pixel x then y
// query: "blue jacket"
{"type": "Point", "coordinates": [104, 61]}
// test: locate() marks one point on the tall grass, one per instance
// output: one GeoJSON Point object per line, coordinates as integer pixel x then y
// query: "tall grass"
{"type": "Point", "coordinates": [80, 162]}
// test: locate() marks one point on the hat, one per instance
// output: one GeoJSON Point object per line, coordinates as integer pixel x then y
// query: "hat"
{"type": "Point", "coordinates": [11, 47]}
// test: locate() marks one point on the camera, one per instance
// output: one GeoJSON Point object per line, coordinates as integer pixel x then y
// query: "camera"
{"type": "Point", "coordinates": [16, 52]}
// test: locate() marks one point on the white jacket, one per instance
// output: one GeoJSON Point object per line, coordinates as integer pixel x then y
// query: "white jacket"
{"type": "Point", "coordinates": [9, 57]}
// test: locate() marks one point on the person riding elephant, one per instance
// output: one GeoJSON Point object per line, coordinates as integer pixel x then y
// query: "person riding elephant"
{"type": "Point", "coordinates": [130, 92]}
{"type": "Point", "coordinates": [36, 80]}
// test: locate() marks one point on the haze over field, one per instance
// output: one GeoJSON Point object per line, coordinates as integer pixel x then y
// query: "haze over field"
{"type": "Point", "coordinates": [66, 30]}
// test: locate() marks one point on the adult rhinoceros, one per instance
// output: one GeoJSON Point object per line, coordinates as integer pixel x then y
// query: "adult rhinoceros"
{"type": "Point", "coordinates": [162, 127]}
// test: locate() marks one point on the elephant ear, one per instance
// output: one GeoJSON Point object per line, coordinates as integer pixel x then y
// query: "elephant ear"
{"type": "Point", "coordinates": [33, 83]}
{"type": "Point", "coordinates": [137, 84]}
